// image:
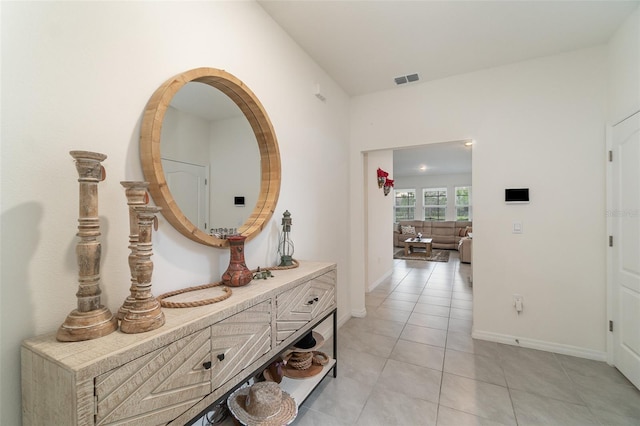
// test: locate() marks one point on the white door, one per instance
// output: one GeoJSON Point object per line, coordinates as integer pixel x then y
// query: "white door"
{"type": "Point", "coordinates": [625, 261]}
{"type": "Point", "coordinates": [188, 186]}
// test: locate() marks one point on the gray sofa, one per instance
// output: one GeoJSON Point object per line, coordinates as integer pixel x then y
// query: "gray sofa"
{"type": "Point", "coordinates": [445, 235]}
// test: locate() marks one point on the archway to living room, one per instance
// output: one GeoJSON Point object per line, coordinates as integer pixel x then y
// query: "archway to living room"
{"type": "Point", "coordinates": [432, 199]}
{"type": "Point", "coordinates": [432, 195]}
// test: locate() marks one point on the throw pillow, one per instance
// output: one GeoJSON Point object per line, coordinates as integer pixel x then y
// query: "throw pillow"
{"type": "Point", "coordinates": [408, 230]}
{"type": "Point", "coordinates": [462, 232]}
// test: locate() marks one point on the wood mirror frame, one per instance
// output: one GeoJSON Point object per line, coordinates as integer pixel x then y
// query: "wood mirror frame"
{"type": "Point", "coordinates": [268, 145]}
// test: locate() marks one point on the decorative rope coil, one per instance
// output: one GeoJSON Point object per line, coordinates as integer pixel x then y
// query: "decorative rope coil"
{"type": "Point", "coordinates": [196, 303]}
{"type": "Point", "coordinates": [300, 360]}
{"type": "Point", "coordinates": [320, 358]}
{"type": "Point", "coordinates": [227, 291]}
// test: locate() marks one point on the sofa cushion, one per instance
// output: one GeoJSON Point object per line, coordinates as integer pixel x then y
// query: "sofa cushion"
{"type": "Point", "coordinates": [408, 230]}
{"type": "Point", "coordinates": [443, 228]}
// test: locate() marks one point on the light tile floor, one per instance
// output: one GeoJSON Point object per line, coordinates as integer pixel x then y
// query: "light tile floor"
{"type": "Point", "coordinates": [412, 361]}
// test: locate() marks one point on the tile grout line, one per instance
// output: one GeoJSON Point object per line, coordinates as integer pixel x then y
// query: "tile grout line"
{"type": "Point", "coordinates": [444, 355]}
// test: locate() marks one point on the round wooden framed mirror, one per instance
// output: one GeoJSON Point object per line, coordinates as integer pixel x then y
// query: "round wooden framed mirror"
{"type": "Point", "coordinates": [269, 154]}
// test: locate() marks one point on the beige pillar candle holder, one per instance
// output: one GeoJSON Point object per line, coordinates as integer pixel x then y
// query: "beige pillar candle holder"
{"type": "Point", "coordinates": [145, 314]}
{"type": "Point", "coordinates": [137, 195]}
{"type": "Point", "coordinates": [90, 320]}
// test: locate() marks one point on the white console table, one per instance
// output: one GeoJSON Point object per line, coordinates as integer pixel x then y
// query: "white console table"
{"type": "Point", "coordinates": [172, 374]}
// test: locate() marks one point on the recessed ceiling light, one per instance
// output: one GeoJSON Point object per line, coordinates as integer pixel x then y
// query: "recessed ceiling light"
{"type": "Point", "coordinates": [423, 168]}
{"type": "Point", "coordinates": [468, 143]}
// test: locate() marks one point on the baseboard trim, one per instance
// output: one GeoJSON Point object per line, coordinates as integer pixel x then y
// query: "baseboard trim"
{"type": "Point", "coordinates": [540, 345]}
{"type": "Point", "coordinates": [377, 282]}
{"type": "Point", "coordinates": [358, 314]}
{"type": "Point", "coordinates": [325, 328]}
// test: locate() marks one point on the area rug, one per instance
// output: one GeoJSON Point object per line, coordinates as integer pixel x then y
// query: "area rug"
{"type": "Point", "coordinates": [436, 255]}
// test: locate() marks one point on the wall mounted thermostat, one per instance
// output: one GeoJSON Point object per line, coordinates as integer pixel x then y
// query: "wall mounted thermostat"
{"type": "Point", "coordinates": [516, 195]}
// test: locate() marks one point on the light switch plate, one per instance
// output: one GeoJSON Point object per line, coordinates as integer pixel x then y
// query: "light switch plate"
{"type": "Point", "coordinates": [517, 228]}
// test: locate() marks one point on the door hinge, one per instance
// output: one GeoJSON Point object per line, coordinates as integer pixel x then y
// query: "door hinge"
{"type": "Point", "coordinates": [205, 181]}
{"type": "Point", "coordinates": [610, 240]}
{"type": "Point", "coordinates": [610, 325]}
{"type": "Point", "coordinates": [610, 156]}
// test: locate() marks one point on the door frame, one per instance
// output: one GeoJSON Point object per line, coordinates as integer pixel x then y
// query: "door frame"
{"type": "Point", "coordinates": [609, 228]}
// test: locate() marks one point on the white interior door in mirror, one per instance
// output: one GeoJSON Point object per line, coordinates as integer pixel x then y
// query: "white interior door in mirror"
{"type": "Point", "coordinates": [188, 185]}
{"type": "Point", "coordinates": [626, 246]}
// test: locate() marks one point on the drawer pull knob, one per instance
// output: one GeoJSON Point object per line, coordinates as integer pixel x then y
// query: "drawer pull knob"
{"type": "Point", "coordinates": [207, 365]}
{"type": "Point", "coordinates": [220, 357]}
{"type": "Point", "coordinates": [310, 302]}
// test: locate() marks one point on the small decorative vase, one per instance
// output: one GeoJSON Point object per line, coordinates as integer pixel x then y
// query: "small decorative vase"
{"type": "Point", "coordinates": [237, 274]}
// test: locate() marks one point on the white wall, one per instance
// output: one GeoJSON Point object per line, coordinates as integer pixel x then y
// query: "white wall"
{"type": "Point", "coordinates": [77, 75]}
{"type": "Point", "coordinates": [178, 127]}
{"type": "Point", "coordinates": [537, 124]}
{"type": "Point", "coordinates": [624, 69]}
{"type": "Point", "coordinates": [235, 171]}
{"type": "Point", "coordinates": [379, 219]}
{"type": "Point", "coordinates": [450, 181]}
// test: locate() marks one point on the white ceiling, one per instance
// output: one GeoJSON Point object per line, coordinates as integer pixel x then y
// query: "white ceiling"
{"type": "Point", "coordinates": [434, 159]}
{"type": "Point", "coordinates": [363, 45]}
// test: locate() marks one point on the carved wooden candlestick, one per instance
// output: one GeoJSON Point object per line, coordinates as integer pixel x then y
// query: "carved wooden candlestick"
{"type": "Point", "coordinates": [145, 314]}
{"type": "Point", "coordinates": [137, 195]}
{"type": "Point", "coordinates": [90, 320]}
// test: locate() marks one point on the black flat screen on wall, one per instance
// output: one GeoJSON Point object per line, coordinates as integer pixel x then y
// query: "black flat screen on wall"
{"type": "Point", "coordinates": [516, 195]}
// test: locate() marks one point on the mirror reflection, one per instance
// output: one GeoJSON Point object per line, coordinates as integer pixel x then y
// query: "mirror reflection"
{"type": "Point", "coordinates": [205, 141]}
{"type": "Point", "coordinates": [219, 143]}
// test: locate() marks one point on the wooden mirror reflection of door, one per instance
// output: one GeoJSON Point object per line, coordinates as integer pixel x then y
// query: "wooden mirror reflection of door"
{"type": "Point", "coordinates": [151, 155]}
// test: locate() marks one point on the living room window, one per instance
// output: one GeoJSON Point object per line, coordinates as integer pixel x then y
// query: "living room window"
{"type": "Point", "coordinates": [435, 204]}
{"type": "Point", "coordinates": [405, 204]}
{"type": "Point", "coordinates": [463, 203]}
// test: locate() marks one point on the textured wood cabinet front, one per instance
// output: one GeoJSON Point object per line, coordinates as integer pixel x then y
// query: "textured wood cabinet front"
{"type": "Point", "coordinates": [238, 341]}
{"type": "Point", "coordinates": [158, 386]}
{"type": "Point", "coordinates": [298, 306]}
{"type": "Point", "coordinates": [171, 374]}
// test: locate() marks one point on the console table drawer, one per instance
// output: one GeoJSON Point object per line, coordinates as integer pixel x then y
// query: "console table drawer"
{"type": "Point", "coordinates": [158, 386]}
{"type": "Point", "coordinates": [296, 307]}
{"type": "Point", "coordinates": [238, 341]}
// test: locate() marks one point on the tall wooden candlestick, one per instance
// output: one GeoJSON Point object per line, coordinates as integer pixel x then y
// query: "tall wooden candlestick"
{"type": "Point", "coordinates": [90, 320]}
{"type": "Point", "coordinates": [145, 314]}
{"type": "Point", "coordinates": [137, 195]}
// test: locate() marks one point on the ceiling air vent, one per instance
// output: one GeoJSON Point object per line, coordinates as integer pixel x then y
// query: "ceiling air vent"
{"type": "Point", "coordinates": [400, 80]}
{"type": "Point", "coordinates": [406, 79]}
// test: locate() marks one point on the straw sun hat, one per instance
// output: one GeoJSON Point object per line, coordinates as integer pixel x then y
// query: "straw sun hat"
{"type": "Point", "coordinates": [262, 404]}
